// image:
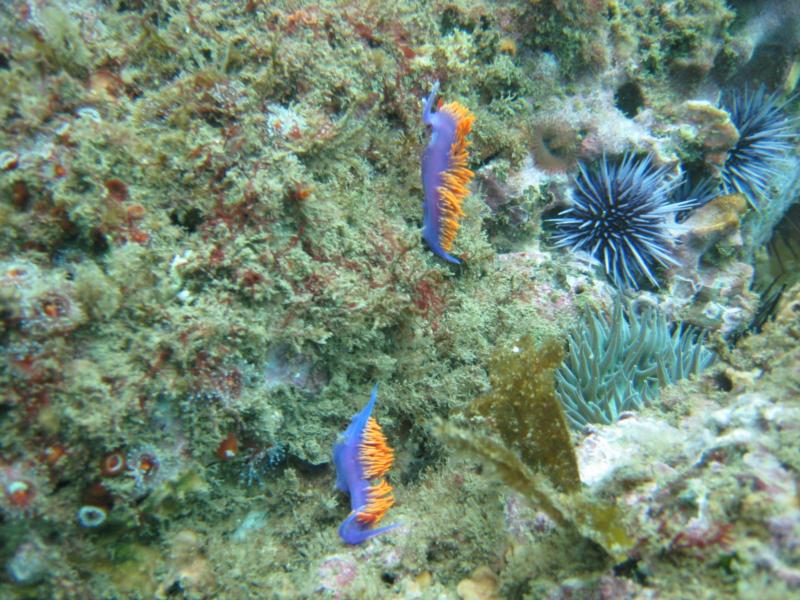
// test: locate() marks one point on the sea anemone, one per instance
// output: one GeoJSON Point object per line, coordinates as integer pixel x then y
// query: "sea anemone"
{"type": "Point", "coordinates": [554, 143]}
{"type": "Point", "coordinates": [92, 516]}
{"type": "Point", "coordinates": [619, 363]}
{"type": "Point", "coordinates": [765, 138]}
{"type": "Point", "coordinates": [620, 215]}
{"type": "Point", "coordinates": [21, 489]}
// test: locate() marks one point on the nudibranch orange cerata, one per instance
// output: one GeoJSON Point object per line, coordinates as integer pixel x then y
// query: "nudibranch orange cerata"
{"type": "Point", "coordinates": [362, 458]}
{"type": "Point", "coordinates": [445, 176]}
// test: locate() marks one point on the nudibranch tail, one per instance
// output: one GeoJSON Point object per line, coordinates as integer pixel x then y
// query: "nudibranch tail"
{"type": "Point", "coordinates": [445, 175]}
{"type": "Point", "coordinates": [352, 531]}
{"type": "Point", "coordinates": [362, 458]}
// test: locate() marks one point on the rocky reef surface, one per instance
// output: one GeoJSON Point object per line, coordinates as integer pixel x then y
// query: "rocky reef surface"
{"type": "Point", "coordinates": [210, 252]}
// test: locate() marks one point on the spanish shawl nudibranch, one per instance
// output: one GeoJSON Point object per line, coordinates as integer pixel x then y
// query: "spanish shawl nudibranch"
{"type": "Point", "coordinates": [361, 456]}
{"type": "Point", "coordinates": [445, 175]}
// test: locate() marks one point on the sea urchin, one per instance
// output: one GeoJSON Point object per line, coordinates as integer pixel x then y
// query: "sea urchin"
{"type": "Point", "coordinates": [765, 137]}
{"type": "Point", "coordinates": [621, 214]}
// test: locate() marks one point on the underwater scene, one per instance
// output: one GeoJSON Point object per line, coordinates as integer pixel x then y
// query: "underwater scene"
{"type": "Point", "coordinates": [352, 299]}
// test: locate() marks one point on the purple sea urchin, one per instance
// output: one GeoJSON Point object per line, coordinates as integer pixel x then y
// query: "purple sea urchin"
{"type": "Point", "coordinates": [765, 137]}
{"type": "Point", "coordinates": [620, 215]}
{"type": "Point", "coordinates": [696, 191]}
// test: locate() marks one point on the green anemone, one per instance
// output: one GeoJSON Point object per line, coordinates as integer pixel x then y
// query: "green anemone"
{"type": "Point", "coordinates": [619, 363]}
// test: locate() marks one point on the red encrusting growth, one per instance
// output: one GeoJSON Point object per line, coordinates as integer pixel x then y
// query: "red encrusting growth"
{"type": "Point", "coordinates": [376, 457]}
{"type": "Point", "coordinates": [455, 181]}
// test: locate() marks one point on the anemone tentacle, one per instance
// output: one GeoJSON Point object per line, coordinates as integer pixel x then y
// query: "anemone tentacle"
{"type": "Point", "coordinates": [619, 362]}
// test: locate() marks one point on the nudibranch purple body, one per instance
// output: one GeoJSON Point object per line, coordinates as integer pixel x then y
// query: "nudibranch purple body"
{"type": "Point", "coordinates": [362, 458]}
{"type": "Point", "coordinates": [445, 176]}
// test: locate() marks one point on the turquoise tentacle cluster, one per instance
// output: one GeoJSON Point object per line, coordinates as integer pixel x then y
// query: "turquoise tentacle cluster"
{"type": "Point", "coordinates": [620, 363]}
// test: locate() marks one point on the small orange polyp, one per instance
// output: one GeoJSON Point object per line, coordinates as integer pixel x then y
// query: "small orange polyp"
{"type": "Point", "coordinates": [228, 448]}
{"type": "Point", "coordinates": [52, 454]}
{"type": "Point", "coordinates": [147, 465]}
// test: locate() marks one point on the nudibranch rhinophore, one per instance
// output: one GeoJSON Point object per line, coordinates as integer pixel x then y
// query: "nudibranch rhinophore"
{"type": "Point", "coordinates": [445, 176]}
{"type": "Point", "coordinates": [362, 457]}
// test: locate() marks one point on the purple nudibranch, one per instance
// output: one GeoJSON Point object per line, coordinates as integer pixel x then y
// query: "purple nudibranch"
{"type": "Point", "coordinates": [362, 457]}
{"type": "Point", "coordinates": [445, 176]}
